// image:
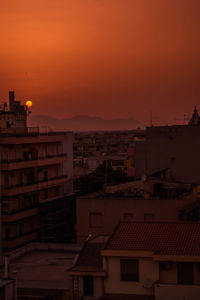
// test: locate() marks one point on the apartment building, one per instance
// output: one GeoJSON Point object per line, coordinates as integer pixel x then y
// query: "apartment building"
{"type": "Point", "coordinates": [146, 261]}
{"type": "Point", "coordinates": [36, 184]}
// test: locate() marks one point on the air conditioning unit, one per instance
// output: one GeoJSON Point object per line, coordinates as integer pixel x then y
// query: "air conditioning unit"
{"type": "Point", "coordinates": [148, 283]}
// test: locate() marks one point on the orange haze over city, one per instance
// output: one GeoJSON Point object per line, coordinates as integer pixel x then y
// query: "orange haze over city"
{"type": "Point", "coordinates": [107, 58]}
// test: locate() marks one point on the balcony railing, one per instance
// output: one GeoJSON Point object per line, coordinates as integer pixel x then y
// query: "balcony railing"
{"type": "Point", "coordinates": [19, 215]}
{"type": "Point", "coordinates": [9, 187]}
{"type": "Point", "coordinates": [7, 212]}
{"type": "Point", "coordinates": [18, 241]}
{"type": "Point", "coordinates": [29, 131]}
{"type": "Point", "coordinates": [10, 161]}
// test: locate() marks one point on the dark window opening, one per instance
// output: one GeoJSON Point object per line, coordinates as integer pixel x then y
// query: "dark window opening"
{"type": "Point", "coordinates": [88, 283]}
{"type": "Point", "coordinates": [21, 229]}
{"type": "Point", "coordinates": [128, 217]}
{"type": "Point", "coordinates": [7, 233]}
{"type": "Point", "coordinates": [129, 270]}
{"type": "Point", "coordinates": [185, 273]}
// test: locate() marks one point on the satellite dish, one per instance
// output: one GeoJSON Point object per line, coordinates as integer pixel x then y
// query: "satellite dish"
{"type": "Point", "coordinates": [148, 284]}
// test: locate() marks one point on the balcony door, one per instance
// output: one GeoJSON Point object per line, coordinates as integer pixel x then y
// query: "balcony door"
{"type": "Point", "coordinates": [88, 285]}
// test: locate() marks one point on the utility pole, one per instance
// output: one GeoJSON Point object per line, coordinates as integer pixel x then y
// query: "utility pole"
{"type": "Point", "coordinates": [151, 119]}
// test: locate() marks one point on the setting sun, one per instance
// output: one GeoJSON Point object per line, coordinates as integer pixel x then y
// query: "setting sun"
{"type": "Point", "coordinates": [29, 103]}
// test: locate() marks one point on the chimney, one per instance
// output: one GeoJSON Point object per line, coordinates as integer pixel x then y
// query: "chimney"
{"type": "Point", "coordinates": [11, 99]}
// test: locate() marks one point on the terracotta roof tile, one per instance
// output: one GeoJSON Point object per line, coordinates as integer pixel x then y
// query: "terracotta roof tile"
{"type": "Point", "coordinates": [161, 238]}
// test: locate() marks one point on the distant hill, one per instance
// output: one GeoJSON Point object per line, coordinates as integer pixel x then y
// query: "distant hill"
{"type": "Point", "coordinates": [83, 123]}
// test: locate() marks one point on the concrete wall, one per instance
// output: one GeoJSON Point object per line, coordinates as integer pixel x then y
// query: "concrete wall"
{"type": "Point", "coordinates": [175, 147]}
{"type": "Point", "coordinates": [177, 292]}
{"type": "Point", "coordinates": [113, 210]}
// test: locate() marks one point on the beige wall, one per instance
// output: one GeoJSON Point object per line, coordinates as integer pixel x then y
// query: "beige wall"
{"type": "Point", "coordinates": [147, 270]}
{"type": "Point", "coordinates": [166, 286]}
{"type": "Point", "coordinates": [113, 210]}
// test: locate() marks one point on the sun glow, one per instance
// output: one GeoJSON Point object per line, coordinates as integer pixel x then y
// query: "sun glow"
{"type": "Point", "coordinates": [29, 103]}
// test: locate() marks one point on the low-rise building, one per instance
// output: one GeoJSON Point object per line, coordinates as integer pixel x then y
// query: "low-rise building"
{"type": "Point", "coordinates": [141, 261]}
{"type": "Point", "coordinates": [87, 273]}
{"type": "Point", "coordinates": [40, 270]}
{"type": "Point", "coordinates": [159, 260]}
{"type": "Point", "coordinates": [152, 200]}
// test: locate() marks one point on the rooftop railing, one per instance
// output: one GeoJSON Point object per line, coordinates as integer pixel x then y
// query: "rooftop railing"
{"type": "Point", "coordinates": [29, 131]}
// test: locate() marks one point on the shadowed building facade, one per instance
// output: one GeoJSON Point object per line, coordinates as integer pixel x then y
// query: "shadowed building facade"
{"type": "Point", "coordinates": [36, 185]}
{"type": "Point", "coordinates": [175, 147]}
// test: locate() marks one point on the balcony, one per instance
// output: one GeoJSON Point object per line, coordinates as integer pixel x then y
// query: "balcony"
{"type": "Point", "coordinates": [20, 241]}
{"type": "Point", "coordinates": [31, 135]}
{"type": "Point", "coordinates": [13, 217]}
{"type": "Point", "coordinates": [177, 292]}
{"type": "Point", "coordinates": [33, 162]}
{"type": "Point", "coordinates": [34, 186]}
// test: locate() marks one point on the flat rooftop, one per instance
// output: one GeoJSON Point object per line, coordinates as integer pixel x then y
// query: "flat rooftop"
{"type": "Point", "coordinates": [43, 266]}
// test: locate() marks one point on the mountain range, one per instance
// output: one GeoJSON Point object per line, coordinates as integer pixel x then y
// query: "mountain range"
{"type": "Point", "coordinates": [83, 123]}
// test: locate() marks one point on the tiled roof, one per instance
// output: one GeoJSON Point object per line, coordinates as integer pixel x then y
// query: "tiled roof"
{"type": "Point", "coordinates": [90, 258]}
{"type": "Point", "coordinates": [161, 238]}
{"type": "Point", "coordinates": [90, 255]}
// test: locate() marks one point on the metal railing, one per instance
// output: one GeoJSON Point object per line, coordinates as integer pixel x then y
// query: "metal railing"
{"type": "Point", "coordinates": [9, 187]}
{"type": "Point", "coordinates": [7, 161]}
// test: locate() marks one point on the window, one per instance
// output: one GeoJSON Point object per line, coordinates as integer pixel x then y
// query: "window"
{"type": "Point", "coordinates": [185, 273]}
{"type": "Point", "coordinates": [129, 270]}
{"type": "Point", "coordinates": [148, 217]}
{"type": "Point", "coordinates": [21, 203]}
{"type": "Point", "coordinates": [20, 179]}
{"type": "Point", "coordinates": [7, 233]}
{"type": "Point", "coordinates": [46, 194]}
{"type": "Point", "coordinates": [45, 175]}
{"type": "Point", "coordinates": [95, 220]}
{"type": "Point", "coordinates": [128, 216]}
{"type": "Point", "coordinates": [21, 229]}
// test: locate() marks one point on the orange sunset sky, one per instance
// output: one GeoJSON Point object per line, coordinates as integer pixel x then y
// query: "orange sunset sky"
{"type": "Point", "coordinates": [107, 58]}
